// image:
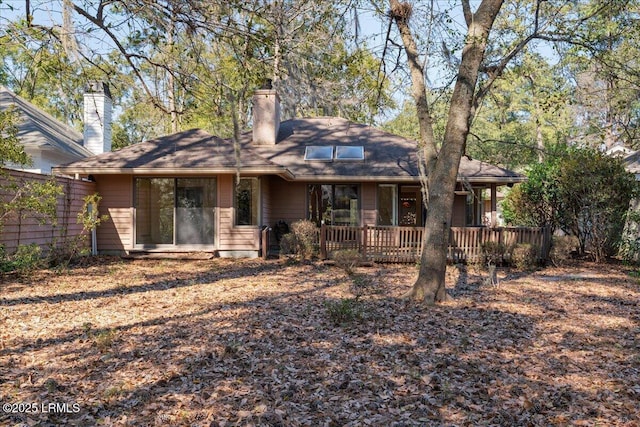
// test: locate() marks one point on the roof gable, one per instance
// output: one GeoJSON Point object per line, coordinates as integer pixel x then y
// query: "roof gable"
{"type": "Point", "coordinates": [39, 130]}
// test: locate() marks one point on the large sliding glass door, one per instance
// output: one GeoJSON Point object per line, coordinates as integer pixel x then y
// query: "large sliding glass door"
{"type": "Point", "coordinates": [154, 211]}
{"type": "Point", "coordinates": [194, 211]}
{"type": "Point", "coordinates": [175, 211]}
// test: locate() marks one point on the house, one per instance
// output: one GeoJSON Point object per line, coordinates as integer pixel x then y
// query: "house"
{"type": "Point", "coordinates": [192, 191]}
{"type": "Point", "coordinates": [619, 151]}
{"type": "Point", "coordinates": [632, 163]}
{"type": "Point", "coordinates": [50, 142]}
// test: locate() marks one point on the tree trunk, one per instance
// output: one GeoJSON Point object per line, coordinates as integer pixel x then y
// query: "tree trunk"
{"type": "Point", "coordinates": [429, 286]}
{"type": "Point", "coordinates": [442, 169]}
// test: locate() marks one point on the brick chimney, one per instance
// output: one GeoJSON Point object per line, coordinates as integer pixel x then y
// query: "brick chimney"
{"type": "Point", "coordinates": [97, 118]}
{"type": "Point", "coordinates": [266, 116]}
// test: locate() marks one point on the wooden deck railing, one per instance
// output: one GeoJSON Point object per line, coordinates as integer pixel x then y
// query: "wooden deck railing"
{"type": "Point", "coordinates": [404, 244]}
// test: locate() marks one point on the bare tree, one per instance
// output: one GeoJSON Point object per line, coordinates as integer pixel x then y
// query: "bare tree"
{"type": "Point", "coordinates": [482, 60]}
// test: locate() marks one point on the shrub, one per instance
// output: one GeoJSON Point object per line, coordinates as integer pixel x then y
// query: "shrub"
{"type": "Point", "coordinates": [492, 253]}
{"type": "Point", "coordinates": [104, 339]}
{"type": "Point", "coordinates": [288, 244]}
{"type": "Point", "coordinates": [629, 249]}
{"type": "Point", "coordinates": [347, 259]}
{"type": "Point", "coordinates": [306, 234]}
{"type": "Point", "coordinates": [302, 240]}
{"type": "Point", "coordinates": [524, 256]}
{"type": "Point", "coordinates": [26, 259]}
{"type": "Point", "coordinates": [344, 311]}
{"type": "Point", "coordinates": [583, 192]}
{"type": "Point", "coordinates": [561, 249]}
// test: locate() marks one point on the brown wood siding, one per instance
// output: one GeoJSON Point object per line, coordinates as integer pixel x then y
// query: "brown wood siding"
{"type": "Point", "coordinates": [266, 217]}
{"type": "Point", "coordinates": [116, 191]}
{"type": "Point", "coordinates": [459, 211]}
{"type": "Point", "coordinates": [27, 229]}
{"type": "Point", "coordinates": [288, 201]}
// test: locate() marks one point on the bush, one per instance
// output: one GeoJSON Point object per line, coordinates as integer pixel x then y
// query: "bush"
{"type": "Point", "coordinates": [288, 244]}
{"type": "Point", "coordinates": [306, 234]}
{"type": "Point", "coordinates": [302, 240]}
{"type": "Point", "coordinates": [524, 256]}
{"type": "Point", "coordinates": [26, 259]}
{"type": "Point", "coordinates": [344, 311]}
{"type": "Point", "coordinates": [347, 259]}
{"type": "Point", "coordinates": [583, 192]}
{"type": "Point", "coordinates": [492, 253]}
{"type": "Point", "coordinates": [629, 249]}
{"type": "Point", "coordinates": [561, 249]}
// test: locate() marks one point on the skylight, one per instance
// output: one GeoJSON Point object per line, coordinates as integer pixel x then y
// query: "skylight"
{"type": "Point", "coordinates": [349, 152]}
{"type": "Point", "coordinates": [318, 152]}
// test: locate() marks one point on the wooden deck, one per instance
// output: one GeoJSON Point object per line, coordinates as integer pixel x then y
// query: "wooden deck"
{"type": "Point", "coordinates": [404, 244]}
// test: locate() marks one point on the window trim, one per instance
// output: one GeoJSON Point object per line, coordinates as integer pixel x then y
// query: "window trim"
{"type": "Point", "coordinates": [333, 201]}
{"type": "Point", "coordinates": [320, 150]}
{"type": "Point", "coordinates": [196, 246]}
{"type": "Point", "coordinates": [340, 148]}
{"type": "Point", "coordinates": [394, 205]}
{"type": "Point", "coordinates": [258, 203]}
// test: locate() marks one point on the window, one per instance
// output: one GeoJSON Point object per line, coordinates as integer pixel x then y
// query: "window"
{"type": "Point", "coordinates": [387, 204]}
{"type": "Point", "coordinates": [176, 211]}
{"type": "Point", "coordinates": [246, 201]}
{"type": "Point", "coordinates": [328, 154]}
{"type": "Point", "coordinates": [318, 152]}
{"type": "Point", "coordinates": [337, 204]}
{"type": "Point", "coordinates": [349, 152]}
{"type": "Point", "coordinates": [474, 208]}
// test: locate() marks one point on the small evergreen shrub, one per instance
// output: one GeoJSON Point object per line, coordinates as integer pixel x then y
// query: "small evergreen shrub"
{"type": "Point", "coordinates": [524, 256]}
{"type": "Point", "coordinates": [344, 311]}
{"type": "Point", "coordinates": [288, 244]}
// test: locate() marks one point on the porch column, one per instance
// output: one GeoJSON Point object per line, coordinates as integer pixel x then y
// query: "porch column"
{"type": "Point", "coordinates": [494, 205]}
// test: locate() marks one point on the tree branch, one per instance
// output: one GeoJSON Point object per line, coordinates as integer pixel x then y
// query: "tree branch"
{"type": "Point", "coordinates": [400, 13]}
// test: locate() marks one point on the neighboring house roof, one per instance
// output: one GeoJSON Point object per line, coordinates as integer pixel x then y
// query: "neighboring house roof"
{"type": "Point", "coordinates": [632, 163]}
{"type": "Point", "coordinates": [619, 150]}
{"type": "Point", "coordinates": [38, 130]}
{"type": "Point", "coordinates": [386, 156]}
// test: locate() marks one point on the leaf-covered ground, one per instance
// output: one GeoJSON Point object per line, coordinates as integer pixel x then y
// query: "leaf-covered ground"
{"type": "Point", "coordinates": [219, 342]}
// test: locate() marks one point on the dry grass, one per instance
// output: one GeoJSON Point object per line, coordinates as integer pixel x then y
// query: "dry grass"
{"type": "Point", "coordinates": [217, 342]}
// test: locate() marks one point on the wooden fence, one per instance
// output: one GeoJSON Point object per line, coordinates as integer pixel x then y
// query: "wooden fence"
{"type": "Point", "coordinates": [26, 229]}
{"type": "Point", "coordinates": [404, 244]}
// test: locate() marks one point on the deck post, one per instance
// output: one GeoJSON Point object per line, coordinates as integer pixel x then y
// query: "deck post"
{"type": "Point", "coordinates": [365, 231]}
{"type": "Point", "coordinates": [323, 241]}
{"type": "Point", "coordinates": [494, 205]}
{"type": "Point", "coordinates": [265, 242]}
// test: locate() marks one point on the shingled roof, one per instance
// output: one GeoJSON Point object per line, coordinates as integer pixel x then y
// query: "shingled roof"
{"type": "Point", "coordinates": [387, 157]}
{"type": "Point", "coordinates": [190, 152]}
{"type": "Point", "coordinates": [39, 130]}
